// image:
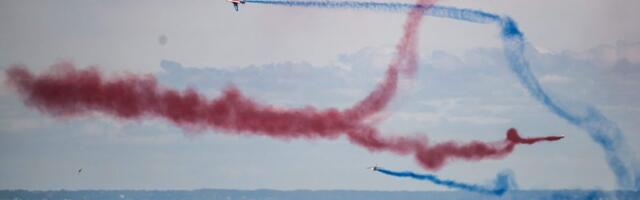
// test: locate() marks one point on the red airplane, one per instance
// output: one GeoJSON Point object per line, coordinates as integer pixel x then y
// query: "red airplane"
{"type": "Point", "coordinates": [236, 2]}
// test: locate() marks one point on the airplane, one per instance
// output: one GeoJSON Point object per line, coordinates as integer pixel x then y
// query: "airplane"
{"type": "Point", "coordinates": [79, 170]}
{"type": "Point", "coordinates": [236, 2]}
{"type": "Point", "coordinates": [374, 168]}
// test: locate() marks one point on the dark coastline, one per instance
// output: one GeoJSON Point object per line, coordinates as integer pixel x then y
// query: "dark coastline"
{"type": "Point", "coordinates": [266, 194]}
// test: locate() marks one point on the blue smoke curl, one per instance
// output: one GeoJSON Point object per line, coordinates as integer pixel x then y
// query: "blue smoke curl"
{"type": "Point", "coordinates": [504, 181]}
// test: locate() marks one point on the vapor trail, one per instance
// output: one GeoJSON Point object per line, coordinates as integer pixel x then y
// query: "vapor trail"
{"type": "Point", "coordinates": [603, 131]}
{"type": "Point", "coordinates": [471, 15]}
{"type": "Point", "coordinates": [504, 181]}
{"type": "Point", "coordinates": [67, 91]}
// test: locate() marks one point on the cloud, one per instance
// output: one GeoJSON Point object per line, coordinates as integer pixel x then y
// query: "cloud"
{"type": "Point", "coordinates": [609, 55]}
{"type": "Point", "coordinates": [475, 87]}
{"type": "Point", "coordinates": [437, 118]}
{"type": "Point", "coordinates": [554, 78]}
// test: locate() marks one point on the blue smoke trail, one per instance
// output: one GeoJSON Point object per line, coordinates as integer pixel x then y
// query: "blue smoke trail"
{"type": "Point", "coordinates": [601, 130]}
{"type": "Point", "coordinates": [436, 11]}
{"type": "Point", "coordinates": [503, 182]}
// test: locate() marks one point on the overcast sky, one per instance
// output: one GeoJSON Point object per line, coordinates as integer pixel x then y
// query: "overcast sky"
{"type": "Point", "coordinates": [587, 50]}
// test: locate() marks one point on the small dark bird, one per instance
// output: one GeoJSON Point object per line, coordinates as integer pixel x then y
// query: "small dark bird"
{"type": "Point", "coordinates": [79, 170]}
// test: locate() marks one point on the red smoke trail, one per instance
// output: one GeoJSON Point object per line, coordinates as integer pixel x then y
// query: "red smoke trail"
{"type": "Point", "coordinates": [65, 90]}
{"type": "Point", "coordinates": [404, 61]}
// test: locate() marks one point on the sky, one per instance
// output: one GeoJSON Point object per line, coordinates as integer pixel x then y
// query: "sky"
{"type": "Point", "coordinates": [584, 50]}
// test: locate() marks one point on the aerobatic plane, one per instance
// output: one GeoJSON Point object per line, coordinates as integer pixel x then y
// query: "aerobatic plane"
{"type": "Point", "coordinates": [236, 2]}
{"type": "Point", "coordinates": [374, 168]}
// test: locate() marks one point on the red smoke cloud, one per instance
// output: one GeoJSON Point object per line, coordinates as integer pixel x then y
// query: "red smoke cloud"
{"type": "Point", "coordinates": [65, 90]}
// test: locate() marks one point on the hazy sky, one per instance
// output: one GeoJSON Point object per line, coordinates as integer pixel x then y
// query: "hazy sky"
{"type": "Point", "coordinates": [581, 49]}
